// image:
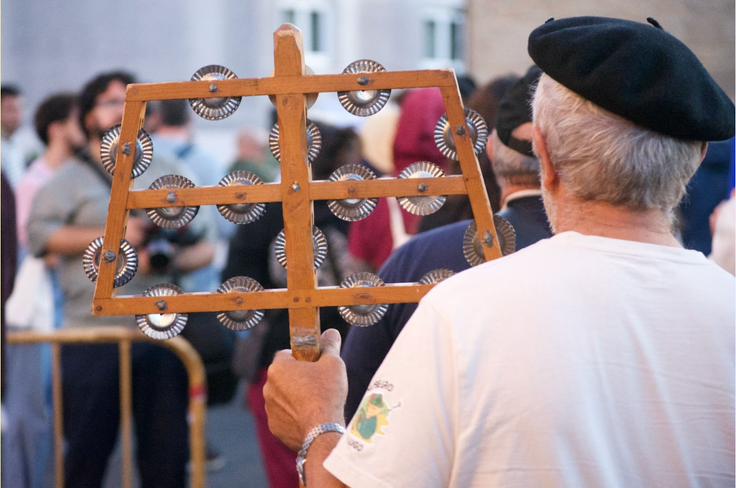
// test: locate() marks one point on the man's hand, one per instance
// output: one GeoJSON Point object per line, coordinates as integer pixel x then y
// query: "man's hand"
{"type": "Point", "coordinates": [301, 395]}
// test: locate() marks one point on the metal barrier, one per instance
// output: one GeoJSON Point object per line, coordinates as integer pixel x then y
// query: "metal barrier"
{"type": "Point", "coordinates": [124, 337]}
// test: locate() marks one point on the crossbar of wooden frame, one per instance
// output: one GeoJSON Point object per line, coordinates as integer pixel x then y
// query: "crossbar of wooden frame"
{"type": "Point", "coordinates": [297, 191]}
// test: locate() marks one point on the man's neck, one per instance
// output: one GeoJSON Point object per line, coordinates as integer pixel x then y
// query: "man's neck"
{"type": "Point", "coordinates": [605, 220]}
{"type": "Point", "coordinates": [508, 190]}
{"type": "Point", "coordinates": [56, 154]}
{"type": "Point", "coordinates": [94, 149]}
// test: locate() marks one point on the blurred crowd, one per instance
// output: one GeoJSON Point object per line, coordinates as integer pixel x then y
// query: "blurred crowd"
{"type": "Point", "coordinates": [55, 204]}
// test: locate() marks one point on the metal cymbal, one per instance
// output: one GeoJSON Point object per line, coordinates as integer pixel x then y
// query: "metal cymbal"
{"type": "Point", "coordinates": [352, 209]}
{"type": "Point", "coordinates": [240, 319]}
{"type": "Point", "coordinates": [314, 141]}
{"type": "Point", "coordinates": [162, 325]}
{"type": "Point", "coordinates": [241, 213]}
{"type": "Point", "coordinates": [364, 102]}
{"type": "Point", "coordinates": [362, 315]}
{"type": "Point", "coordinates": [435, 276]}
{"type": "Point", "coordinates": [320, 247]}
{"type": "Point", "coordinates": [171, 217]}
{"type": "Point", "coordinates": [214, 108]}
{"type": "Point", "coordinates": [477, 128]}
{"type": "Point", "coordinates": [141, 157]}
{"type": "Point", "coordinates": [127, 261]}
{"type": "Point", "coordinates": [422, 205]}
{"type": "Point", "coordinates": [473, 248]}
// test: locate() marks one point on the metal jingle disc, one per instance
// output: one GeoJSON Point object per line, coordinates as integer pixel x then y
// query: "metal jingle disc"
{"type": "Point", "coordinates": [171, 217]}
{"type": "Point", "coordinates": [422, 205]}
{"type": "Point", "coordinates": [162, 325]}
{"type": "Point", "coordinates": [473, 248]}
{"type": "Point", "coordinates": [362, 315]}
{"type": "Point", "coordinates": [214, 108]}
{"type": "Point", "coordinates": [311, 97]}
{"type": "Point", "coordinates": [476, 126]}
{"type": "Point", "coordinates": [364, 102]}
{"type": "Point", "coordinates": [435, 276]}
{"type": "Point", "coordinates": [352, 209]}
{"type": "Point", "coordinates": [141, 157]}
{"type": "Point", "coordinates": [127, 262]}
{"type": "Point", "coordinates": [241, 213]}
{"type": "Point", "coordinates": [320, 247]}
{"type": "Point", "coordinates": [314, 141]}
{"type": "Point", "coordinates": [240, 319]}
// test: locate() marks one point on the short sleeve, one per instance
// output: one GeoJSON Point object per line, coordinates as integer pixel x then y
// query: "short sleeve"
{"type": "Point", "coordinates": [51, 210]}
{"type": "Point", "coordinates": [403, 432]}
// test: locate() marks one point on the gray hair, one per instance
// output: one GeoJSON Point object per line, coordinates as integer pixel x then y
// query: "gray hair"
{"type": "Point", "coordinates": [512, 167]}
{"type": "Point", "coordinates": [600, 156]}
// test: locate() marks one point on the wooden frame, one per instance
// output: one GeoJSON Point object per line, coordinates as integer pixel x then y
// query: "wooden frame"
{"type": "Point", "coordinates": [296, 191]}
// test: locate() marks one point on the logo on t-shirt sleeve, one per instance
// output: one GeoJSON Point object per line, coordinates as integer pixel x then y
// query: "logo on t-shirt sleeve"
{"type": "Point", "coordinates": [372, 417]}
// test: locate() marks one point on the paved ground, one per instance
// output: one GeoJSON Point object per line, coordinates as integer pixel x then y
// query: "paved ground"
{"type": "Point", "coordinates": [230, 429]}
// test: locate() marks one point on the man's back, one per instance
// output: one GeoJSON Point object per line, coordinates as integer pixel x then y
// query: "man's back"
{"type": "Point", "coordinates": [621, 373]}
{"type": "Point", "coordinates": [437, 248]}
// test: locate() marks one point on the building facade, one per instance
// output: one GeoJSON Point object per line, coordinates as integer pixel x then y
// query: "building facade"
{"type": "Point", "coordinates": [48, 46]}
{"type": "Point", "coordinates": [498, 30]}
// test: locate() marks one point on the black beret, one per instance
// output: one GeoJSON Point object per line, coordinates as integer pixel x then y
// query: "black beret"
{"type": "Point", "coordinates": [637, 71]}
{"type": "Point", "coordinates": [515, 110]}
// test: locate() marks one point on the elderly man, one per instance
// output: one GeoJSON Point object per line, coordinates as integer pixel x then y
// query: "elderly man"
{"type": "Point", "coordinates": [517, 172]}
{"type": "Point", "coordinates": [603, 356]}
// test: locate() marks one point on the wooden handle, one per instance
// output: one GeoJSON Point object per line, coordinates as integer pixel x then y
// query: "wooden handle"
{"type": "Point", "coordinates": [297, 204]}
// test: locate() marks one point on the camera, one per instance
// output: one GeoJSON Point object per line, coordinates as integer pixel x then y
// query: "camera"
{"type": "Point", "coordinates": [162, 244]}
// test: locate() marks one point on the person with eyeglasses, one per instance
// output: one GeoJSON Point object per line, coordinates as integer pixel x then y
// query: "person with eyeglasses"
{"type": "Point", "coordinates": [68, 213]}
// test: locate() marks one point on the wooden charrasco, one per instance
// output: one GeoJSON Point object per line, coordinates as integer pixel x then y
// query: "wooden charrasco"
{"type": "Point", "coordinates": [290, 89]}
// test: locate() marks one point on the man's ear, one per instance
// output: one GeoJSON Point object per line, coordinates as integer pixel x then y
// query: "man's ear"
{"type": "Point", "coordinates": [549, 175]}
{"type": "Point", "coordinates": [54, 129]}
{"type": "Point", "coordinates": [489, 145]}
{"type": "Point", "coordinates": [703, 151]}
{"type": "Point", "coordinates": [88, 121]}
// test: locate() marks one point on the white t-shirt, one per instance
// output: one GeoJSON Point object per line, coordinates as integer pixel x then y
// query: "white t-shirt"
{"type": "Point", "coordinates": [580, 361]}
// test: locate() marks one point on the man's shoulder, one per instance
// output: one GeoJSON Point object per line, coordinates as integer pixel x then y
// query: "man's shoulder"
{"type": "Point", "coordinates": [431, 239]}
{"type": "Point", "coordinates": [437, 248]}
{"type": "Point", "coordinates": [74, 166]}
{"type": "Point", "coordinates": [490, 278]}
{"type": "Point", "coordinates": [73, 173]}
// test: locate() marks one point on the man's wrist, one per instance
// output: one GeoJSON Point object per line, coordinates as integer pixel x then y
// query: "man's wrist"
{"type": "Point", "coordinates": [312, 436]}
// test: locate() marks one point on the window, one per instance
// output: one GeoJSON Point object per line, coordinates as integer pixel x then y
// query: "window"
{"type": "Point", "coordinates": [444, 42]}
{"type": "Point", "coordinates": [456, 41]}
{"type": "Point", "coordinates": [316, 30]}
{"type": "Point", "coordinates": [430, 39]}
{"type": "Point", "coordinates": [313, 20]}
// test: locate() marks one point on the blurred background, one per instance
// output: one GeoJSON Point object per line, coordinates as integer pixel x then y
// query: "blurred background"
{"type": "Point", "coordinates": [48, 46]}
